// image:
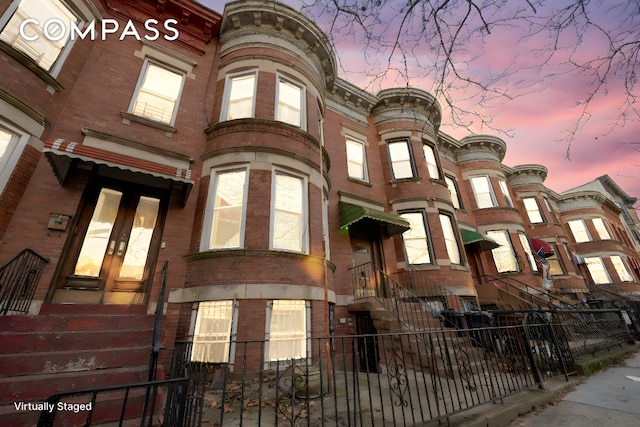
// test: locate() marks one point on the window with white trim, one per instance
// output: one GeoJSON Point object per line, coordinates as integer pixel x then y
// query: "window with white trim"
{"type": "Point", "coordinates": [287, 330]}
{"type": "Point", "coordinates": [290, 103]}
{"type": "Point", "coordinates": [450, 238]}
{"type": "Point", "coordinates": [579, 231]}
{"type": "Point", "coordinates": [556, 268]}
{"type": "Point", "coordinates": [157, 93]}
{"type": "Point", "coordinates": [547, 204]}
{"type": "Point", "coordinates": [533, 210]}
{"type": "Point", "coordinates": [44, 50]}
{"type": "Point", "coordinates": [432, 163]}
{"type": "Point", "coordinates": [483, 192]}
{"type": "Point", "coordinates": [526, 245]}
{"type": "Point", "coordinates": [401, 161]}
{"type": "Point", "coordinates": [289, 215]}
{"type": "Point", "coordinates": [356, 159]}
{"type": "Point", "coordinates": [216, 324]}
{"type": "Point", "coordinates": [621, 269]}
{"type": "Point", "coordinates": [504, 255]}
{"type": "Point", "coordinates": [453, 191]}
{"type": "Point", "coordinates": [11, 146]}
{"type": "Point", "coordinates": [597, 270]}
{"type": "Point", "coordinates": [228, 191]}
{"type": "Point", "coordinates": [505, 192]}
{"type": "Point", "coordinates": [417, 247]}
{"type": "Point", "coordinates": [239, 95]}
{"type": "Point", "coordinates": [601, 229]}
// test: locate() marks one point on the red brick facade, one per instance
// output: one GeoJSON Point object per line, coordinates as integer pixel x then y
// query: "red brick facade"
{"type": "Point", "coordinates": [88, 102]}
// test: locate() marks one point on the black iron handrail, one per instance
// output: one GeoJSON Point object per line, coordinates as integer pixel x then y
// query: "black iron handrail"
{"type": "Point", "coordinates": [525, 289]}
{"type": "Point", "coordinates": [56, 403]}
{"type": "Point", "coordinates": [18, 281]}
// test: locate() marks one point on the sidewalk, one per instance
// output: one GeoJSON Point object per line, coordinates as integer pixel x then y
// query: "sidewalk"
{"type": "Point", "coordinates": [606, 398]}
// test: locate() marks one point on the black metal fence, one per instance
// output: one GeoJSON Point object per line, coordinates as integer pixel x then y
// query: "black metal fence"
{"type": "Point", "coordinates": [132, 404]}
{"type": "Point", "coordinates": [381, 380]}
{"type": "Point", "coordinates": [18, 281]}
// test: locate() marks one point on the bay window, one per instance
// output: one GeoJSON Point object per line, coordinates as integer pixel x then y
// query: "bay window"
{"type": "Point", "coordinates": [289, 212]}
{"type": "Point", "coordinates": [579, 231]}
{"type": "Point", "coordinates": [401, 161]}
{"type": "Point", "coordinates": [450, 238]}
{"type": "Point", "coordinates": [603, 233]}
{"type": "Point", "coordinates": [216, 323]}
{"type": "Point", "coordinates": [44, 50]}
{"type": "Point", "coordinates": [239, 95]}
{"type": "Point", "coordinates": [621, 269]}
{"type": "Point", "coordinates": [504, 256]}
{"type": "Point", "coordinates": [432, 163]}
{"type": "Point", "coordinates": [416, 241]}
{"type": "Point", "coordinates": [533, 210]}
{"type": "Point", "coordinates": [526, 245]}
{"type": "Point", "coordinates": [287, 330]}
{"type": "Point", "coordinates": [597, 270]}
{"type": "Point", "coordinates": [227, 213]}
{"type": "Point", "coordinates": [483, 192]}
{"type": "Point", "coordinates": [290, 103]}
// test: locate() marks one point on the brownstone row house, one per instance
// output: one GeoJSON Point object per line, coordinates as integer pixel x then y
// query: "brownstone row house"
{"type": "Point", "coordinates": [228, 146]}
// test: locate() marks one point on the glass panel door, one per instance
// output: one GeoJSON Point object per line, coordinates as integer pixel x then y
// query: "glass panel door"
{"type": "Point", "coordinates": [137, 248]}
{"type": "Point", "coordinates": [110, 258]}
{"type": "Point", "coordinates": [94, 246]}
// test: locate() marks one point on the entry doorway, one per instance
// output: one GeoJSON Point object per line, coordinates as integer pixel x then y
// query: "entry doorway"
{"type": "Point", "coordinates": [113, 248]}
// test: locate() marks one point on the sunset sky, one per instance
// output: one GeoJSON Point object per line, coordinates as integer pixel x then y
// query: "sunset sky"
{"type": "Point", "coordinates": [535, 121]}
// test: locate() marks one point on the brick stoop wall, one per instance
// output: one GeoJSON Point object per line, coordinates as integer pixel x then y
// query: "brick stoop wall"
{"type": "Point", "coordinates": [70, 347]}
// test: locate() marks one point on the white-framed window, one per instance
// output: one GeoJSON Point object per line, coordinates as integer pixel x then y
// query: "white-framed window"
{"type": "Point", "coordinates": [556, 268]}
{"type": "Point", "coordinates": [547, 204]}
{"type": "Point", "coordinates": [287, 330]}
{"type": "Point", "coordinates": [504, 256]}
{"type": "Point", "coordinates": [450, 238]}
{"type": "Point", "coordinates": [356, 159]}
{"type": "Point", "coordinates": [226, 214]}
{"type": "Point", "coordinates": [290, 102]}
{"type": "Point", "coordinates": [453, 191]}
{"type": "Point", "coordinates": [417, 247]}
{"type": "Point", "coordinates": [526, 245]}
{"type": "Point", "coordinates": [579, 231]}
{"type": "Point", "coordinates": [12, 144]}
{"type": "Point", "coordinates": [621, 269]}
{"type": "Point", "coordinates": [432, 163]}
{"type": "Point", "coordinates": [289, 212]}
{"type": "Point", "coordinates": [597, 270]}
{"type": "Point", "coordinates": [239, 96]}
{"type": "Point", "coordinates": [483, 192]}
{"type": "Point", "coordinates": [533, 210]}
{"type": "Point", "coordinates": [603, 233]}
{"type": "Point", "coordinates": [47, 53]}
{"type": "Point", "coordinates": [401, 161]}
{"type": "Point", "coordinates": [505, 192]}
{"type": "Point", "coordinates": [215, 328]}
{"type": "Point", "coordinates": [157, 93]}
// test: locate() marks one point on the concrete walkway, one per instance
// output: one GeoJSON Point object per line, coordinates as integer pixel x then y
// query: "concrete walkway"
{"type": "Point", "coordinates": [608, 398]}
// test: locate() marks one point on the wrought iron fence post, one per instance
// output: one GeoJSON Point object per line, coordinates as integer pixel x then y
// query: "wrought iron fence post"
{"type": "Point", "coordinates": [532, 360]}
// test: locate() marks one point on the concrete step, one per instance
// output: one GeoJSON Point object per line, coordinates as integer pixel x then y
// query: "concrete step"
{"type": "Point", "coordinates": [49, 362]}
{"type": "Point", "coordinates": [94, 309]}
{"type": "Point", "coordinates": [74, 322]}
{"type": "Point", "coordinates": [41, 386]}
{"type": "Point", "coordinates": [32, 342]}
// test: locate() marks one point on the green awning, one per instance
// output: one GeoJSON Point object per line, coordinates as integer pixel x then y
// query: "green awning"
{"type": "Point", "coordinates": [470, 237]}
{"type": "Point", "coordinates": [392, 223]}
